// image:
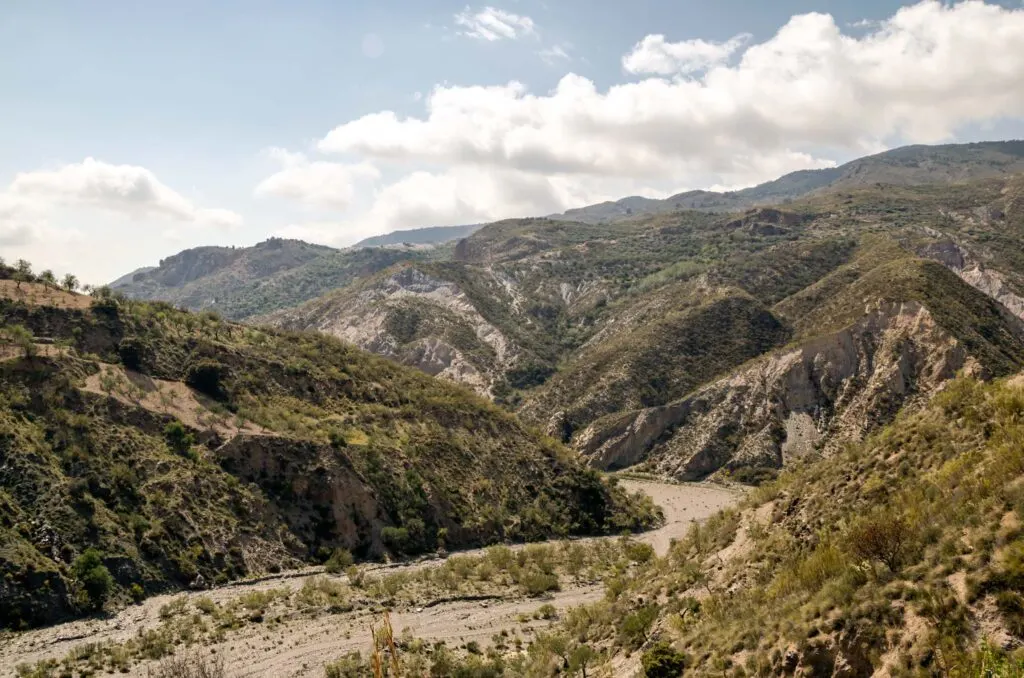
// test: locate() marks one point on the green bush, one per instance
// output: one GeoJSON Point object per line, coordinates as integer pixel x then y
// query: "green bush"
{"type": "Point", "coordinates": [339, 561]}
{"type": "Point", "coordinates": [395, 538]}
{"type": "Point", "coordinates": [538, 583]}
{"type": "Point", "coordinates": [635, 627]}
{"type": "Point", "coordinates": [93, 578]}
{"type": "Point", "coordinates": [178, 438]}
{"type": "Point", "coordinates": [661, 661]}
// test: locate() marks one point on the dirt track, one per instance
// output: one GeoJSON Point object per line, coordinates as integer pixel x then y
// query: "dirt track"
{"type": "Point", "coordinates": [300, 647]}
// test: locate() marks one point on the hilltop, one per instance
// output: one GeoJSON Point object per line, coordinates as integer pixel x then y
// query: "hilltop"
{"type": "Point", "coordinates": [239, 282]}
{"type": "Point", "coordinates": [164, 449]}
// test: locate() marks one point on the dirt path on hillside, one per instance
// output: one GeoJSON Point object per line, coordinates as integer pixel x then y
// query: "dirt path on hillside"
{"type": "Point", "coordinates": [301, 646]}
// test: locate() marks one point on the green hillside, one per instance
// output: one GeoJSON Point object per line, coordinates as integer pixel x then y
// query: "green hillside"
{"type": "Point", "coordinates": [180, 445]}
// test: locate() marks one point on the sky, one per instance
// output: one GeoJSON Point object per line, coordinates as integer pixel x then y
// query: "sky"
{"type": "Point", "coordinates": [132, 130]}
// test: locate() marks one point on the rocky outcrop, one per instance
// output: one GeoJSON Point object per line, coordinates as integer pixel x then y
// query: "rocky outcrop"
{"type": "Point", "coordinates": [791, 403]}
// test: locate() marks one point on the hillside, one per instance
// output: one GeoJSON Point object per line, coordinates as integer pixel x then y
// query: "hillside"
{"type": "Point", "coordinates": [239, 282]}
{"type": "Point", "coordinates": [705, 344]}
{"type": "Point", "coordinates": [904, 166]}
{"type": "Point", "coordinates": [433, 235]}
{"type": "Point", "coordinates": [183, 450]}
{"type": "Point", "coordinates": [900, 556]}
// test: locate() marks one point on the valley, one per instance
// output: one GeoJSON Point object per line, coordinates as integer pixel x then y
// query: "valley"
{"type": "Point", "coordinates": [293, 642]}
{"type": "Point", "coordinates": [774, 431]}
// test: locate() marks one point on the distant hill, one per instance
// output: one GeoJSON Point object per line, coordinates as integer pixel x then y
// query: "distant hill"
{"type": "Point", "coordinates": [432, 235]}
{"type": "Point", "coordinates": [240, 282]}
{"type": "Point", "coordinates": [903, 166]}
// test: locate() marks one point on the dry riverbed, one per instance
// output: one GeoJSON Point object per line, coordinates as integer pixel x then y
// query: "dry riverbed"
{"type": "Point", "coordinates": [299, 645]}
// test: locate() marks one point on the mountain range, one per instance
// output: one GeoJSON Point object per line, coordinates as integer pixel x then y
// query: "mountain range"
{"type": "Point", "coordinates": [677, 335]}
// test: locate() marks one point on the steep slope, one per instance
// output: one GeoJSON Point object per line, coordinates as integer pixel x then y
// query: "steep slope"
{"type": "Point", "coordinates": [900, 556]}
{"type": "Point", "coordinates": [188, 450]}
{"type": "Point", "coordinates": [659, 350]}
{"type": "Point", "coordinates": [656, 339]}
{"type": "Point", "coordinates": [416, 315]}
{"type": "Point", "coordinates": [851, 371]}
{"type": "Point", "coordinates": [247, 281]}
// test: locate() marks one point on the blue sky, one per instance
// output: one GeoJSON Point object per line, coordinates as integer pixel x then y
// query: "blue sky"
{"type": "Point", "coordinates": [225, 122]}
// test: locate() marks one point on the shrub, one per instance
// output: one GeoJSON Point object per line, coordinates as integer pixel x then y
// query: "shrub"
{"type": "Point", "coordinates": [395, 538]}
{"type": "Point", "coordinates": [192, 665]}
{"type": "Point", "coordinates": [208, 376]}
{"type": "Point", "coordinates": [134, 353]}
{"type": "Point", "coordinates": [136, 592]}
{"type": "Point", "coordinates": [661, 661]}
{"type": "Point", "coordinates": [538, 583]}
{"type": "Point", "coordinates": [178, 438]}
{"type": "Point", "coordinates": [635, 627]}
{"type": "Point", "coordinates": [883, 537]}
{"type": "Point", "coordinates": [339, 561]}
{"type": "Point", "coordinates": [94, 579]}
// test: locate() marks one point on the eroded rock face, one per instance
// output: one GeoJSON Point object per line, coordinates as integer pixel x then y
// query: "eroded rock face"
{"type": "Point", "coordinates": [788, 404]}
{"type": "Point", "coordinates": [973, 272]}
{"type": "Point", "coordinates": [325, 501]}
{"type": "Point", "coordinates": [449, 338]}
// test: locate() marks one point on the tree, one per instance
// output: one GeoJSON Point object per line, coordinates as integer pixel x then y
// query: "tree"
{"type": "Point", "coordinates": [48, 278]}
{"type": "Point", "coordinates": [70, 282]}
{"type": "Point", "coordinates": [22, 272]}
{"type": "Point", "coordinates": [21, 337]}
{"type": "Point", "coordinates": [580, 658]}
{"type": "Point", "coordinates": [94, 579]}
{"type": "Point", "coordinates": [661, 661]}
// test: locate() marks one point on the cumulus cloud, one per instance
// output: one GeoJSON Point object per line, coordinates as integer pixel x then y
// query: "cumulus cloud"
{"type": "Point", "coordinates": [919, 76]}
{"type": "Point", "coordinates": [126, 189]}
{"type": "Point", "coordinates": [318, 183]}
{"type": "Point", "coordinates": [20, 221]}
{"type": "Point", "coordinates": [654, 54]}
{"type": "Point", "coordinates": [702, 114]}
{"type": "Point", "coordinates": [491, 24]}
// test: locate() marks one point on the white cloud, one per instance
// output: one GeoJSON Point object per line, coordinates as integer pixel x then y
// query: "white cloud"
{"type": "Point", "coordinates": [20, 221]}
{"type": "Point", "coordinates": [492, 24]}
{"type": "Point", "coordinates": [321, 184]}
{"type": "Point", "coordinates": [807, 91]}
{"type": "Point", "coordinates": [125, 189]}
{"type": "Point", "coordinates": [555, 54]}
{"type": "Point", "coordinates": [654, 55]}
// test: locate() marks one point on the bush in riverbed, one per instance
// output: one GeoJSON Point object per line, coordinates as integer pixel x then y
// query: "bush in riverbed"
{"type": "Point", "coordinates": [339, 561]}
